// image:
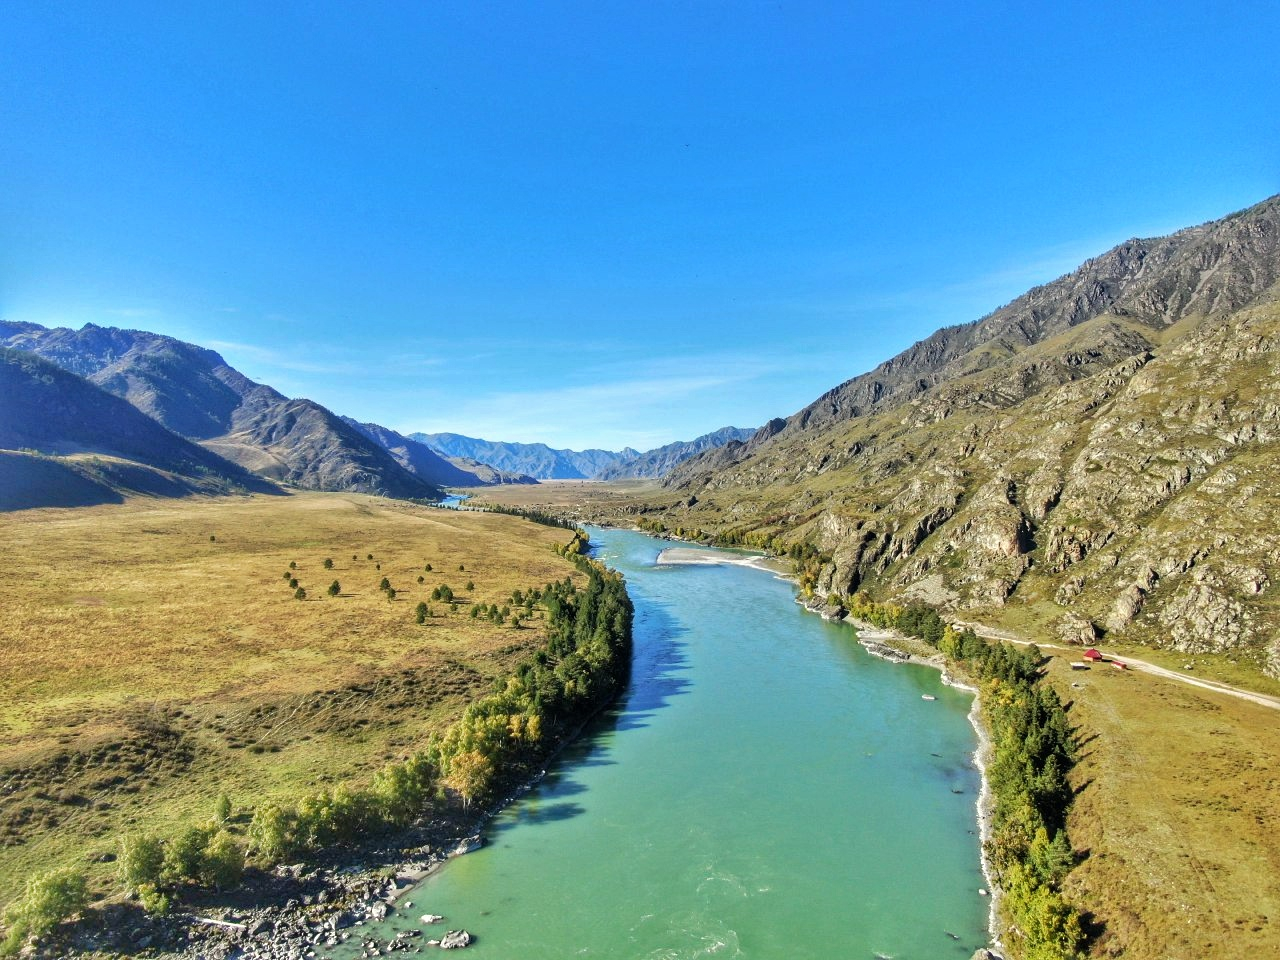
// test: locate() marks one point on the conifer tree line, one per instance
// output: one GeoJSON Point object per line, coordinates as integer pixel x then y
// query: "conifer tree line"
{"type": "Point", "coordinates": [500, 741]}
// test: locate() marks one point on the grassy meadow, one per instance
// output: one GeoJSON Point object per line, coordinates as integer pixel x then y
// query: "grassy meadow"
{"type": "Point", "coordinates": [153, 654]}
{"type": "Point", "coordinates": [1178, 809]}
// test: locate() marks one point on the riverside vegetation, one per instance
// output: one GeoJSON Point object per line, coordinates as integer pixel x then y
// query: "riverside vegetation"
{"type": "Point", "coordinates": [1032, 749]}
{"type": "Point", "coordinates": [573, 661]}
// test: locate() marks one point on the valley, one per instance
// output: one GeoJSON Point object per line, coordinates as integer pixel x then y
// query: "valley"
{"type": "Point", "coordinates": [153, 655]}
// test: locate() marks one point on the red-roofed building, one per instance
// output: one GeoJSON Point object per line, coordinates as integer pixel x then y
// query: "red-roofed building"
{"type": "Point", "coordinates": [1093, 656]}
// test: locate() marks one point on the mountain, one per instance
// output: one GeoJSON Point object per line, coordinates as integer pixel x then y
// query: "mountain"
{"type": "Point", "coordinates": [420, 460]}
{"type": "Point", "coordinates": [195, 393]}
{"type": "Point", "coordinates": [65, 441]}
{"type": "Point", "coordinates": [662, 460]}
{"type": "Point", "coordinates": [547, 463]}
{"type": "Point", "coordinates": [535, 459]}
{"type": "Point", "coordinates": [1097, 458]}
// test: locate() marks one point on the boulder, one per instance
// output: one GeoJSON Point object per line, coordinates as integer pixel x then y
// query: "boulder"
{"type": "Point", "coordinates": [455, 939]}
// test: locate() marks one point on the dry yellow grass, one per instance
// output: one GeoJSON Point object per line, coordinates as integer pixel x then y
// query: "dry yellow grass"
{"type": "Point", "coordinates": [1179, 809]}
{"type": "Point", "coordinates": [144, 666]}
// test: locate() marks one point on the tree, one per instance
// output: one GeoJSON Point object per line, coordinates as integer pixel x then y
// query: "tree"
{"type": "Point", "coordinates": [385, 584]}
{"type": "Point", "coordinates": [470, 774]}
{"type": "Point", "coordinates": [471, 585]}
{"type": "Point", "coordinates": [184, 854]}
{"type": "Point", "coordinates": [427, 568]}
{"type": "Point", "coordinates": [328, 563]}
{"type": "Point", "coordinates": [221, 861]}
{"type": "Point", "coordinates": [293, 582]}
{"type": "Point", "coordinates": [335, 588]}
{"type": "Point", "coordinates": [222, 808]}
{"type": "Point", "coordinates": [299, 594]}
{"type": "Point", "coordinates": [140, 861]}
{"type": "Point", "coordinates": [421, 578]}
{"type": "Point", "coordinates": [462, 566]}
{"type": "Point", "coordinates": [293, 565]}
{"type": "Point", "coordinates": [271, 833]}
{"type": "Point", "coordinates": [421, 612]}
{"type": "Point", "coordinates": [47, 901]}
{"type": "Point", "coordinates": [391, 593]}
{"type": "Point", "coordinates": [371, 556]}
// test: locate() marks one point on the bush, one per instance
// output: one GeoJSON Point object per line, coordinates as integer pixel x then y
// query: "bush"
{"type": "Point", "coordinates": [222, 808]}
{"type": "Point", "coordinates": [299, 594]}
{"type": "Point", "coordinates": [221, 861]}
{"type": "Point", "coordinates": [273, 833]}
{"type": "Point", "coordinates": [154, 900]}
{"type": "Point", "coordinates": [328, 563]}
{"type": "Point", "coordinates": [140, 862]}
{"type": "Point", "coordinates": [335, 588]}
{"type": "Point", "coordinates": [421, 612]}
{"type": "Point", "coordinates": [384, 584]}
{"type": "Point", "coordinates": [184, 855]}
{"type": "Point", "coordinates": [47, 901]}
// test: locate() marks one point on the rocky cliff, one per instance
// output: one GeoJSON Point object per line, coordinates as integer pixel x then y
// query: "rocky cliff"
{"type": "Point", "coordinates": [1095, 459]}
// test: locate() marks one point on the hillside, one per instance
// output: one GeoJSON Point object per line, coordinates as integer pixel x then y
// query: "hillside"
{"type": "Point", "coordinates": [534, 459]}
{"type": "Point", "coordinates": [195, 393]}
{"type": "Point", "coordinates": [546, 463]}
{"type": "Point", "coordinates": [420, 460]}
{"type": "Point", "coordinates": [660, 461]}
{"type": "Point", "coordinates": [65, 442]}
{"type": "Point", "coordinates": [1093, 459]}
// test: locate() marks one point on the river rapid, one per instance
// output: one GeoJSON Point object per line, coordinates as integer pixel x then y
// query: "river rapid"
{"type": "Point", "coordinates": [765, 789]}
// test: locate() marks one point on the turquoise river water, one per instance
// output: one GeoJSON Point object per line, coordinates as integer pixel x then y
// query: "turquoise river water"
{"type": "Point", "coordinates": [766, 789]}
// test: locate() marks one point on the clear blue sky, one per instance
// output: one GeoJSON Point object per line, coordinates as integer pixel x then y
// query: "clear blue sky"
{"type": "Point", "coordinates": [598, 224]}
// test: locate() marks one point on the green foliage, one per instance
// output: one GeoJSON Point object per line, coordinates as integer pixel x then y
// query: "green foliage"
{"type": "Point", "coordinates": [421, 612]}
{"type": "Point", "coordinates": [384, 584]}
{"type": "Point", "coordinates": [184, 854]}
{"type": "Point", "coordinates": [293, 565]}
{"type": "Point", "coordinates": [293, 582]}
{"type": "Point", "coordinates": [300, 594]}
{"type": "Point", "coordinates": [47, 901]}
{"type": "Point", "coordinates": [328, 563]}
{"type": "Point", "coordinates": [222, 808]}
{"type": "Point", "coordinates": [1032, 750]}
{"type": "Point", "coordinates": [221, 861]}
{"type": "Point", "coordinates": [273, 833]}
{"type": "Point", "coordinates": [475, 613]}
{"type": "Point", "coordinates": [140, 861]}
{"type": "Point", "coordinates": [335, 588]}
{"type": "Point", "coordinates": [471, 585]}
{"type": "Point", "coordinates": [427, 568]}
{"type": "Point", "coordinates": [154, 900]}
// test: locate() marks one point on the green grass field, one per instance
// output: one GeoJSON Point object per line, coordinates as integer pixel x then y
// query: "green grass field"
{"type": "Point", "coordinates": [152, 655]}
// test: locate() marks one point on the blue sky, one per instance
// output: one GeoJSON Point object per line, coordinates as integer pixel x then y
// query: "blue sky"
{"type": "Point", "coordinates": [600, 224]}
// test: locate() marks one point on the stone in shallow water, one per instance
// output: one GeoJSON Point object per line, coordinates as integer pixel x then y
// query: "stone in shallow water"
{"type": "Point", "coordinates": [455, 939]}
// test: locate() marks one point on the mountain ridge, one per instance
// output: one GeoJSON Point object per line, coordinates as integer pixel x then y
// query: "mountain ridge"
{"type": "Point", "coordinates": [1091, 458]}
{"type": "Point", "coordinates": [194, 392]}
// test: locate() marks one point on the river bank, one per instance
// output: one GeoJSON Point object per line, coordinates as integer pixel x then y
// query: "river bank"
{"type": "Point", "coordinates": [898, 648]}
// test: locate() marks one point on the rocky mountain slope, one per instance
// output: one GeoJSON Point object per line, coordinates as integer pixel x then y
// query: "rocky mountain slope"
{"type": "Point", "coordinates": [547, 463]}
{"type": "Point", "coordinates": [662, 460]}
{"type": "Point", "coordinates": [534, 459]}
{"type": "Point", "coordinates": [195, 393]}
{"type": "Point", "coordinates": [421, 460]}
{"type": "Point", "coordinates": [1096, 458]}
{"type": "Point", "coordinates": [65, 441]}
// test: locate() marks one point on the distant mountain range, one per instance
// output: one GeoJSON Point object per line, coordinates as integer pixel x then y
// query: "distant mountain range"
{"type": "Point", "coordinates": [1098, 457]}
{"type": "Point", "coordinates": [547, 463]}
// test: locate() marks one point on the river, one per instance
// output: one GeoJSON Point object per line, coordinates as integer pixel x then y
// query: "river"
{"type": "Point", "coordinates": [765, 789]}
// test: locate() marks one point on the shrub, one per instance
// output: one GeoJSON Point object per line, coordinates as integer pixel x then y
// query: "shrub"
{"type": "Point", "coordinates": [391, 593]}
{"type": "Point", "coordinates": [221, 861]}
{"type": "Point", "coordinates": [299, 594]}
{"type": "Point", "coordinates": [421, 612]}
{"type": "Point", "coordinates": [154, 900]}
{"type": "Point", "coordinates": [47, 901]}
{"type": "Point", "coordinates": [384, 584]}
{"type": "Point", "coordinates": [471, 585]}
{"type": "Point", "coordinates": [293, 582]}
{"type": "Point", "coordinates": [273, 833]}
{"type": "Point", "coordinates": [293, 565]}
{"type": "Point", "coordinates": [427, 568]}
{"type": "Point", "coordinates": [222, 808]}
{"type": "Point", "coordinates": [328, 563]}
{"type": "Point", "coordinates": [140, 862]}
{"type": "Point", "coordinates": [184, 854]}
{"type": "Point", "coordinates": [335, 588]}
